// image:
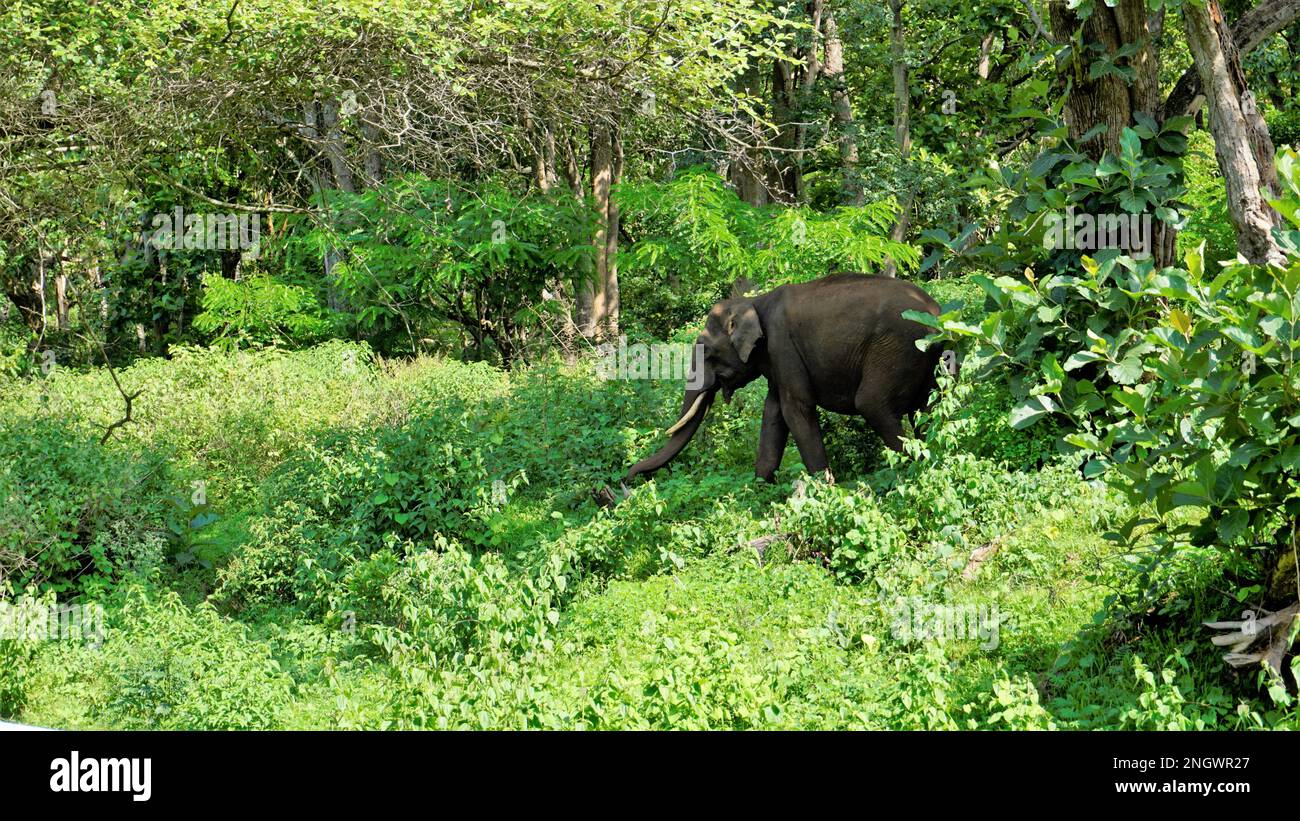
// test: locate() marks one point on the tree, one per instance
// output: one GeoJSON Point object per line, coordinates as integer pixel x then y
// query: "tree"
{"type": "Point", "coordinates": [1241, 140]}
{"type": "Point", "coordinates": [843, 107]}
{"type": "Point", "coordinates": [1112, 79]}
{"type": "Point", "coordinates": [1112, 72]}
{"type": "Point", "coordinates": [902, 117]}
{"type": "Point", "coordinates": [598, 306]}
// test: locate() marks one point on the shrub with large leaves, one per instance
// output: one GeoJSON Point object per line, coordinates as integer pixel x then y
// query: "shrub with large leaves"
{"type": "Point", "coordinates": [1179, 383]}
{"type": "Point", "coordinates": [483, 259]}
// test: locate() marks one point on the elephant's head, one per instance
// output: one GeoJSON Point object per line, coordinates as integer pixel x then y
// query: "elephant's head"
{"type": "Point", "coordinates": [726, 358]}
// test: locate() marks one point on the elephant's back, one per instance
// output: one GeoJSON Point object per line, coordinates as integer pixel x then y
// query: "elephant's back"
{"type": "Point", "coordinates": [847, 304]}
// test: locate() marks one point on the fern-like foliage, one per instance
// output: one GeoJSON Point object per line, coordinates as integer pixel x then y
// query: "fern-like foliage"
{"type": "Point", "coordinates": [694, 236]}
{"type": "Point", "coordinates": [260, 311]}
{"type": "Point", "coordinates": [696, 221]}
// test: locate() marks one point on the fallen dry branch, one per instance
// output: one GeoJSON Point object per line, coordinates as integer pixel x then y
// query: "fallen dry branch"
{"type": "Point", "coordinates": [978, 557]}
{"type": "Point", "coordinates": [1270, 635]}
{"type": "Point", "coordinates": [606, 498]}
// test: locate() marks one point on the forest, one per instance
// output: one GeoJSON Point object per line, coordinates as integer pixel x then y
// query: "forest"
{"type": "Point", "coordinates": [358, 362]}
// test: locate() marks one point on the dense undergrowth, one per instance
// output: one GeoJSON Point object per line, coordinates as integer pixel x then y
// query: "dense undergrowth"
{"type": "Point", "coordinates": [324, 538]}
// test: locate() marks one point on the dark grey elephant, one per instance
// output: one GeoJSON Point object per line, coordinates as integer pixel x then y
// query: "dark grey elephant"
{"type": "Point", "coordinates": [839, 343]}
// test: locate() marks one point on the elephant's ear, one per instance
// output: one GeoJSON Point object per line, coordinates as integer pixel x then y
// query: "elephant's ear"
{"type": "Point", "coordinates": [745, 331]}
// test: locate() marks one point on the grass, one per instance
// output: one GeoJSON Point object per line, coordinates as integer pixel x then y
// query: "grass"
{"type": "Point", "coordinates": [548, 611]}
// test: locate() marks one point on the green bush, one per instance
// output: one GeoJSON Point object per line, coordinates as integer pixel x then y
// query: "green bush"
{"type": "Point", "coordinates": [442, 607]}
{"type": "Point", "coordinates": [348, 495]}
{"type": "Point", "coordinates": [227, 418]}
{"type": "Point", "coordinates": [860, 540]}
{"type": "Point", "coordinates": [700, 236]}
{"type": "Point", "coordinates": [73, 508]}
{"type": "Point", "coordinates": [663, 523]}
{"type": "Point", "coordinates": [17, 650]}
{"type": "Point", "coordinates": [15, 667]}
{"type": "Point", "coordinates": [170, 666]}
{"type": "Point", "coordinates": [480, 259]}
{"type": "Point", "coordinates": [1178, 383]}
{"type": "Point", "coordinates": [277, 564]}
{"type": "Point", "coordinates": [992, 437]}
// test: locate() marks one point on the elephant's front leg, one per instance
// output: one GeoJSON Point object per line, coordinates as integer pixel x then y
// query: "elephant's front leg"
{"type": "Point", "coordinates": [804, 423]}
{"type": "Point", "coordinates": [771, 439]}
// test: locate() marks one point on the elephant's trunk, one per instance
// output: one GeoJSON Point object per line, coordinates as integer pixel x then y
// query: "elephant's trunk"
{"type": "Point", "coordinates": [695, 406]}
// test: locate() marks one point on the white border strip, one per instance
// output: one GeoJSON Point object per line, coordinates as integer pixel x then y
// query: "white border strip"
{"type": "Point", "coordinates": [7, 727]}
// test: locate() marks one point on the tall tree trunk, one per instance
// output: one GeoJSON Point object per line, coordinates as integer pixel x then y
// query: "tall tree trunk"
{"type": "Point", "coordinates": [747, 173]}
{"type": "Point", "coordinates": [333, 146]}
{"type": "Point", "coordinates": [1254, 28]}
{"type": "Point", "coordinates": [572, 172]}
{"type": "Point", "coordinates": [579, 321]}
{"type": "Point", "coordinates": [1241, 140]}
{"type": "Point", "coordinates": [843, 109]}
{"type": "Point", "coordinates": [578, 305]}
{"type": "Point", "coordinates": [985, 59]}
{"type": "Point", "coordinates": [899, 69]}
{"type": "Point", "coordinates": [320, 127]}
{"type": "Point", "coordinates": [41, 279]}
{"type": "Point", "coordinates": [61, 296]}
{"type": "Point", "coordinates": [606, 167]}
{"type": "Point", "coordinates": [613, 303]}
{"type": "Point", "coordinates": [1101, 107]}
{"type": "Point", "coordinates": [373, 166]}
{"type": "Point", "coordinates": [541, 144]}
{"type": "Point", "coordinates": [902, 123]}
{"type": "Point", "coordinates": [159, 324]}
{"type": "Point", "coordinates": [786, 110]}
{"type": "Point", "coordinates": [1107, 100]}
{"type": "Point", "coordinates": [792, 84]}
{"type": "Point", "coordinates": [808, 74]}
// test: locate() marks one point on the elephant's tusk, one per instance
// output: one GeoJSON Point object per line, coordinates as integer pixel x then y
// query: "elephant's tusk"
{"type": "Point", "coordinates": [686, 417]}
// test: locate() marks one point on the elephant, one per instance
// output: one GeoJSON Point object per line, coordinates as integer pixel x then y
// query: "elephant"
{"type": "Point", "coordinates": [838, 343]}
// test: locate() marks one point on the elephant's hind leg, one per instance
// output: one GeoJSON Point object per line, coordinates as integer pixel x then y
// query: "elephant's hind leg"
{"type": "Point", "coordinates": [885, 423]}
{"type": "Point", "coordinates": [882, 419]}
